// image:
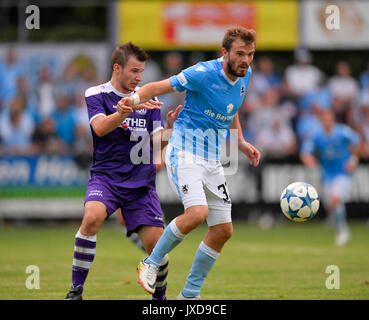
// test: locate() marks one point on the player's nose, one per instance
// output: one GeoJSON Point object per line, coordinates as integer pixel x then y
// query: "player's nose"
{"type": "Point", "coordinates": [247, 60]}
{"type": "Point", "coordinates": [139, 77]}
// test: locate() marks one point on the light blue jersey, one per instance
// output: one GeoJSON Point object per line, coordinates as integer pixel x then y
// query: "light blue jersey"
{"type": "Point", "coordinates": [332, 149]}
{"type": "Point", "coordinates": [212, 101]}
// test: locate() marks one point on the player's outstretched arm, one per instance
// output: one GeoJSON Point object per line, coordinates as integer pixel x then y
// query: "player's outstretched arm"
{"type": "Point", "coordinates": [245, 147]}
{"type": "Point", "coordinates": [308, 159]}
{"type": "Point", "coordinates": [353, 161]}
{"type": "Point", "coordinates": [147, 92]}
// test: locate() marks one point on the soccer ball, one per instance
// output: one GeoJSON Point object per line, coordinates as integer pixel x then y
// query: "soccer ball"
{"type": "Point", "coordinates": [299, 201]}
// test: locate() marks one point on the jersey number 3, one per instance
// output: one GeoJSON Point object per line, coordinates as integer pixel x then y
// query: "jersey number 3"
{"type": "Point", "coordinates": [225, 193]}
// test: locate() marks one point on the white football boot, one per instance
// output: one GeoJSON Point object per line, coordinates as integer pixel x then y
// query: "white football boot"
{"type": "Point", "coordinates": [343, 236]}
{"type": "Point", "coordinates": [182, 297]}
{"type": "Point", "coordinates": [147, 274]}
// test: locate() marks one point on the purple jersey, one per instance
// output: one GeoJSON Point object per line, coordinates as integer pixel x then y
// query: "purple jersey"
{"type": "Point", "coordinates": [125, 155]}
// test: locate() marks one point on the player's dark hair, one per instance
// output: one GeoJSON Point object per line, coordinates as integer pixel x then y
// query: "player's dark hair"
{"type": "Point", "coordinates": [122, 53]}
{"type": "Point", "coordinates": [246, 35]}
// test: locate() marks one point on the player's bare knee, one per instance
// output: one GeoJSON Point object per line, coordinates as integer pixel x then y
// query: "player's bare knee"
{"type": "Point", "coordinates": [218, 235]}
{"type": "Point", "coordinates": [91, 222]}
{"type": "Point", "coordinates": [198, 219]}
{"type": "Point", "coordinates": [227, 232]}
{"type": "Point", "coordinates": [334, 202]}
{"type": "Point", "coordinates": [89, 226]}
{"type": "Point", "coordinates": [198, 213]}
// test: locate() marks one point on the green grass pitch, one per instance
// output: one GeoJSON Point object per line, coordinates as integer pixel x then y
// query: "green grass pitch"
{"type": "Point", "coordinates": [286, 262]}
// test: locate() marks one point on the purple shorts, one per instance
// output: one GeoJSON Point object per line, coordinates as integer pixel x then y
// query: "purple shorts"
{"type": "Point", "coordinates": [140, 206]}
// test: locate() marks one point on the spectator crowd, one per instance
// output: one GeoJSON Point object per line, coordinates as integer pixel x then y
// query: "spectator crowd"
{"type": "Point", "coordinates": [279, 112]}
{"type": "Point", "coordinates": [49, 117]}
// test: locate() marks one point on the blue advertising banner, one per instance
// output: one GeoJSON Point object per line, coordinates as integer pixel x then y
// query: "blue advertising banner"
{"type": "Point", "coordinates": [41, 171]}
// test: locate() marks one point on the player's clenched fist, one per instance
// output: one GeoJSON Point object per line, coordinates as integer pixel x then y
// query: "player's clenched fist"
{"type": "Point", "coordinates": [122, 108]}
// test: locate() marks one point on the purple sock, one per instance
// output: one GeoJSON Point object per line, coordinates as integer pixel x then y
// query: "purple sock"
{"type": "Point", "coordinates": [84, 253]}
{"type": "Point", "coordinates": [161, 280]}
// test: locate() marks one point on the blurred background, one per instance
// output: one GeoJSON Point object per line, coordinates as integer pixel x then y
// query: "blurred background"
{"type": "Point", "coordinates": [300, 65]}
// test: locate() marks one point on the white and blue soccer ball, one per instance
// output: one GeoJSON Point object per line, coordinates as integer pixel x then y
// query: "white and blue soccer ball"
{"type": "Point", "coordinates": [299, 201]}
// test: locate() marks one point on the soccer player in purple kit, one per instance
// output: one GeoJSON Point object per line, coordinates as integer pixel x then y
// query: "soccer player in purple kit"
{"type": "Point", "coordinates": [117, 181]}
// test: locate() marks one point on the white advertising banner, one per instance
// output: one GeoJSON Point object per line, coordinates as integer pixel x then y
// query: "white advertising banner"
{"type": "Point", "coordinates": [334, 24]}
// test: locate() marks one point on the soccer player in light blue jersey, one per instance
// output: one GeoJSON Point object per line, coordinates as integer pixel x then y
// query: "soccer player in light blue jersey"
{"type": "Point", "coordinates": [215, 91]}
{"type": "Point", "coordinates": [334, 148]}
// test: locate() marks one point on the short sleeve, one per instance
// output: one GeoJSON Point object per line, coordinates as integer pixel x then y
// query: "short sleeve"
{"type": "Point", "coordinates": [308, 146]}
{"type": "Point", "coordinates": [351, 136]}
{"type": "Point", "coordinates": [95, 105]}
{"type": "Point", "coordinates": [191, 78]}
{"type": "Point", "coordinates": [156, 121]}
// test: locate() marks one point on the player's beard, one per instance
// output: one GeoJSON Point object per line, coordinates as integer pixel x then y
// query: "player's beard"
{"type": "Point", "coordinates": [125, 86]}
{"type": "Point", "coordinates": [232, 69]}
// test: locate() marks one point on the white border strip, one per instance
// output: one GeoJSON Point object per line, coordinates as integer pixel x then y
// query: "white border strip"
{"type": "Point", "coordinates": [96, 115]}
{"type": "Point", "coordinates": [156, 130]}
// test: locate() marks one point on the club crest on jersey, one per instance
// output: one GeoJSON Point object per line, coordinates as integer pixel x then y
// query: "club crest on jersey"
{"type": "Point", "coordinates": [125, 125]}
{"type": "Point", "coordinates": [184, 188]}
{"type": "Point", "coordinates": [242, 93]}
{"type": "Point", "coordinates": [230, 108]}
{"type": "Point", "coordinates": [141, 111]}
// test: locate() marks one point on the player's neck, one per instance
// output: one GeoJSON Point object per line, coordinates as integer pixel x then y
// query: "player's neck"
{"type": "Point", "coordinates": [116, 85]}
{"type": "Point", "coordinates": [328, 130]}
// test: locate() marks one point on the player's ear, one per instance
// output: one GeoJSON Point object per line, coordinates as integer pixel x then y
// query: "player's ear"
{"type": "Point", "coordinates": [224, 51]}
{"type": "Point", "coordinates": [116, 67]}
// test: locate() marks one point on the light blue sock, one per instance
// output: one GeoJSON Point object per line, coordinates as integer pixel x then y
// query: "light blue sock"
{"type": "Point", "coordinates": [170, 238]}
{"type": "Point", "coordinates": [203, 262]}
{"type": "Point", "coordinates": [340, 221]}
